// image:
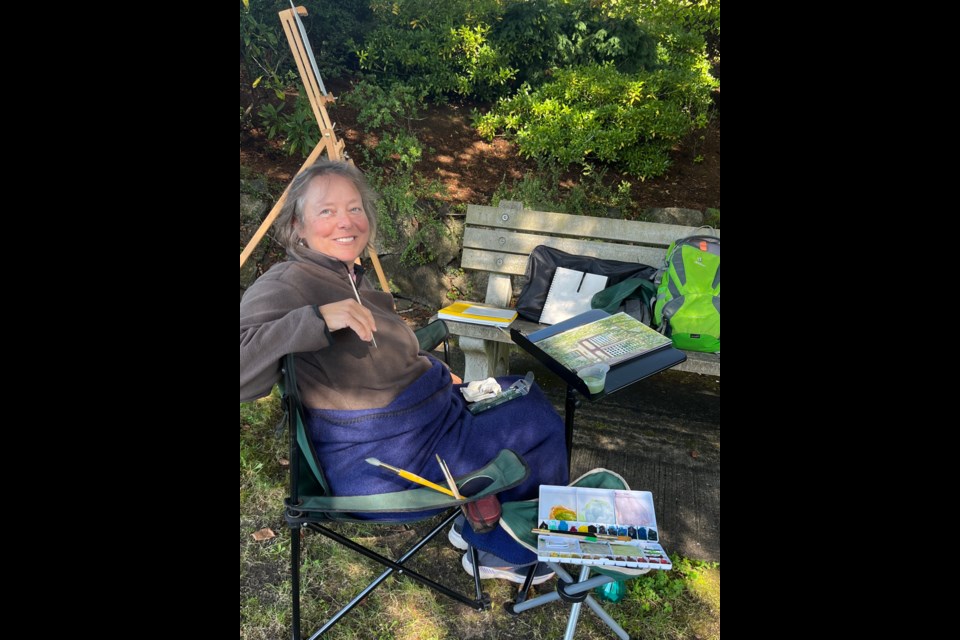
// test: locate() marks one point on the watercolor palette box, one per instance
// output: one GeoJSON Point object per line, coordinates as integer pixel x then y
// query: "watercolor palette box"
{"type": "Point", "coordinates": [599, 527]}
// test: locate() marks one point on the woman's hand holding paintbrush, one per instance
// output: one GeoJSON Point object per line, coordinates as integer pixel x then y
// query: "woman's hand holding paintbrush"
{"type": "Point", "coordinates": [350, 314]}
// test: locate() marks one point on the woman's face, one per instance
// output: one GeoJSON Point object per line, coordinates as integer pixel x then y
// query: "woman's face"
{"type": "Point", "coordinates": [334, 222]}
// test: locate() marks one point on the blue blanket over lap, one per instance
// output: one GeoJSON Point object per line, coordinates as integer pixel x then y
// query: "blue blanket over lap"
{"type": "Point", "coordinates": [430, 417]}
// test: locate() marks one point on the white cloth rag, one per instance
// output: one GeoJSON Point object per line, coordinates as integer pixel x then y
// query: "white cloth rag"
{"type": "Point", "coordinates": [480, 390]}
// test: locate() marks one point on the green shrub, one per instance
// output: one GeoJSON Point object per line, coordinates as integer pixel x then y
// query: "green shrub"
{"type": "Point", "coordinates": [540, 35]}
{"type": "Point", "coordinates": [264, 54]}
{"type": "Point", "coordinates": [591, 196]}
{"type": "Point", "coordinates": [380, 108]}
{"type": "Point", "coordinates": [296, 126]}
{"type": "Point", "coordinates": [438, 46]}
{"type": "Point", "coordinates": [595, 114]}
{"type": "Point", "coordinates": [333, 30]}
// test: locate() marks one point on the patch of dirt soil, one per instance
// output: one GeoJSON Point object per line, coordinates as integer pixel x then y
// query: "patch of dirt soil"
{"type": "Point", "coordinates": [472, 168]}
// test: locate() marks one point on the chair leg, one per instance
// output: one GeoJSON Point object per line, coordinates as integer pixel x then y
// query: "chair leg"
{"type": "Point", "coordinates": [475, 558]}
{"type": "Point", "coordinates": [527, 583]}
{"type": "Point", "coordinates": [295, 578]}
{"type": "Point", "coordinates": [480, 603]}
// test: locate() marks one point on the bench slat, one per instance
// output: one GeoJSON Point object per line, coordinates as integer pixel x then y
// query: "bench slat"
{"type": "Point", "coordinates": [510, 263]}
{"type": "Point", "coordinates": [651, 233]}
{"type": "Point", "coordinates": [523, 243]}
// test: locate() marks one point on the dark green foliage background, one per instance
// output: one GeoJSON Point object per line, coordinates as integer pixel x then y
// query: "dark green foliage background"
{"type": "Point", "coordinates": [575, 82]}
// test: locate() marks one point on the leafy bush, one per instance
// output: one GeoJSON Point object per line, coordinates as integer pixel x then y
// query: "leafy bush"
{"type": "Point", "coordinates": [595, 113]}
{"type": "Point", "coordinates": [297, 127]}
{"type": "Point", "coordinates": [479, 49]}
{"type": "Point", "coordinates": [681, 27]}
{"type": "Point", "coordinates": [662, 589]}
{"type": "Point", "coordinates": [540, 35]}
{"type": "Point", "coordinates": [384, 108]}
{"type": "Point", "coordinates": [622, 82]}
{"type": "Point", "coordinates": [699, 16]}
{"type": "Point", "coordinates": [263, 50]}
{"type": "Point", "coordinates": [333, 30]}
{"type": "Point", "coordinates": [437, 46]}
{"type": "Point", "coordinates": [591, 196]}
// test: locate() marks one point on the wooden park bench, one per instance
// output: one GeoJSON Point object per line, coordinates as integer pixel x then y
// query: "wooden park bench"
{"type": "Point", "coordinates": [499, 240]}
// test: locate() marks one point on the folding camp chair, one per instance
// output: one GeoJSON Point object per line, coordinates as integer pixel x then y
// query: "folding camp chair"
{"type": "Point", "coordinates": [310, 505]}
{"type": "Point", "coordinates": [433, 335]}
{"type": "Point", "coordinates": [520, 518]}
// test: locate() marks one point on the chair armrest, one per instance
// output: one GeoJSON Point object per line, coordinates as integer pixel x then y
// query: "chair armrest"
{"type": "Point", "coordinates": [505, 471]}
{"type": "Point", "coordinates": [433, 335]}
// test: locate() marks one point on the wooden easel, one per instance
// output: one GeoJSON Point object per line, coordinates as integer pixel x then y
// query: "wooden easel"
{"type": "Point", "coordinates": [333, 147]}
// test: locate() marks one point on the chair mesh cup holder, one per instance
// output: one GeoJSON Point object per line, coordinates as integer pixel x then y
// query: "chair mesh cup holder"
{"type": "Point", "coordinates": [482, 514]}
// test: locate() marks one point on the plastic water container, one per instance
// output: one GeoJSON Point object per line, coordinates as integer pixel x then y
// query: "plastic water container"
{"type": "Point", "coordinates": [612, 591]}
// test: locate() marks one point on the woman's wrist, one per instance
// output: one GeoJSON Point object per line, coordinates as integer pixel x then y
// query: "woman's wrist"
{"type": "Point", "coordinates": [326, 329]}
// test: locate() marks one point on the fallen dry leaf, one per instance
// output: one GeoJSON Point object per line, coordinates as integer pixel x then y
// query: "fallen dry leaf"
{"type": "Point", "coordinates": [694, 454]}
{"type": "Point", "coordinates": [264, 534]}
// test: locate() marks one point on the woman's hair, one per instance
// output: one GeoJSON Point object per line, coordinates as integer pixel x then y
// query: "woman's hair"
{"type": "Point", "coordinates": [291, 214]}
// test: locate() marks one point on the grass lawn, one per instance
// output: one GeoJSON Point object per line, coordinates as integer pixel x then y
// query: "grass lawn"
{"type": "Point", "coordinates": [681, 603]}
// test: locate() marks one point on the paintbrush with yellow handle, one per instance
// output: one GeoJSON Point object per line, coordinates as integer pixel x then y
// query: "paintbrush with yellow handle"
{"type": "Point", "coordinates": [412, 477]}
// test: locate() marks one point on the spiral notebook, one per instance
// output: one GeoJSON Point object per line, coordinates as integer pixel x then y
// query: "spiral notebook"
{"type": "Point", "coordinates": [569, 295]}
{"type": "Point", "coordinates": [478, 314]}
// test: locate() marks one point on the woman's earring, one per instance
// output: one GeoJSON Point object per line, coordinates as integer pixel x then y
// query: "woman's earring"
{"type": "Point", "coordinates": [301, 242]}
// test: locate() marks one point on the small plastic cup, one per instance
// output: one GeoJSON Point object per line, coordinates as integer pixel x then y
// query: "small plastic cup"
{"type": "Point", "coordinates": [595, 376]}
{"type": "Point", "coordinates": [483, 514]}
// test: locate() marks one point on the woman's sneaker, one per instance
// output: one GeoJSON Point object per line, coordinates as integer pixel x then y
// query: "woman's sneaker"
{"type": "Point", "coordinates": [493, 567]}
{"type": "Point", "coordinates": [455, 537]}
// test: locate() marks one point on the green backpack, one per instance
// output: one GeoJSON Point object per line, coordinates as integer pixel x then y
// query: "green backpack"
{"type": "Point", "coordinates": [687, 307]}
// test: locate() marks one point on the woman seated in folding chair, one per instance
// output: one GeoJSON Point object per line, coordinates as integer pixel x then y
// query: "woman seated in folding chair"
{"type": "Point", "coordinates": [367, 389]}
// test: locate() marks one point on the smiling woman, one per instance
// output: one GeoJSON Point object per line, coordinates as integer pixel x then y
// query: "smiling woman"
{"type": "Point", "coordinates": [333, 219]}
{"type": "Point", "coordinates": [329, 207]}
{"type": "Point", "coordinates": [375, 398]}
